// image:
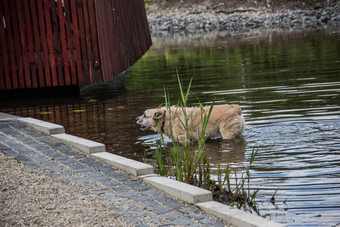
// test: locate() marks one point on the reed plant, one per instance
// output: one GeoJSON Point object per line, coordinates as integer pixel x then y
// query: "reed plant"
{"type": "Point", "coordinates": [186, 159]}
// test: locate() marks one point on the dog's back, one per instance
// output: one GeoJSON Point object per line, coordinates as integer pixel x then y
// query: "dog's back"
{"type": "Point", "coordinates": [226, 121]}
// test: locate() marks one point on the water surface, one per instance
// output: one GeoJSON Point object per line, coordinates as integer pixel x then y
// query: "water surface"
{"type": "Point", "coordinates": [288, 85]}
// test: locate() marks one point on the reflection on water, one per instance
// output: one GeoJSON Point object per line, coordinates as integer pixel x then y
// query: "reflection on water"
{"type": "Point", "coordinates": [287, 84]}
{"type": "Point", "coordinates": [222, 151]}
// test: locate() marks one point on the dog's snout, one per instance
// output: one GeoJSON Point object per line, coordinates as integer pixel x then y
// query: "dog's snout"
{"type": "Point", "coordinates": [138, 119]}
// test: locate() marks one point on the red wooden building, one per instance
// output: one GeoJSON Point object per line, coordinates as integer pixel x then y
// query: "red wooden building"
{"type": "Point", "coordinates": [57, 43]}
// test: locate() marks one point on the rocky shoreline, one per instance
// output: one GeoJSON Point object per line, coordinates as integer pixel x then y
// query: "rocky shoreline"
{"type": "Point", "coordinates": [196, 19]}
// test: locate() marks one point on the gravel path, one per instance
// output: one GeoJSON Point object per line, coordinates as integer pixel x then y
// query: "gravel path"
{"type": "Point", "coordinates": [28, 197]}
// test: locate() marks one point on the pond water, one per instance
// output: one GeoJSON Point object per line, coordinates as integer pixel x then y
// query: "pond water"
{"type": "Point", "coordinates": [288, 85]}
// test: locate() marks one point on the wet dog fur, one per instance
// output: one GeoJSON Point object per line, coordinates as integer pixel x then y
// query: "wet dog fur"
{"type": "Point", "coordinates": [225, 121]}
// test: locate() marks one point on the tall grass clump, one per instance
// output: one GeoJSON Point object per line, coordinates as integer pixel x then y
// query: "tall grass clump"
{"type": "Point", "coordinates": [187, 162]}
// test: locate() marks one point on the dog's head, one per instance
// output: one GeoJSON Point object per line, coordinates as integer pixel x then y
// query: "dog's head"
{"type": "Point", "coordinates": [149, 120]}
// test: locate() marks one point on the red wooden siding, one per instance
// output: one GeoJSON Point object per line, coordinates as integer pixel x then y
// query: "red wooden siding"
{"type": "Point", "coordinates": [48, 43]}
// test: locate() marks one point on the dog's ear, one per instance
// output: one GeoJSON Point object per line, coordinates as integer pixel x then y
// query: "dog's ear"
{"type": "Point", "coordinates": [161, 105]}
{"type": "Point", "coordinates": [157, 116]}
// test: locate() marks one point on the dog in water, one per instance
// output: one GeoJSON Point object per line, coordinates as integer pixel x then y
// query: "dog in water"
{"type": "Point", "coordinates": [225, 121]}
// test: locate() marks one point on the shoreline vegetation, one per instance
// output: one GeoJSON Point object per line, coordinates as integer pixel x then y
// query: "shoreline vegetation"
{"type": "Point", "coordinates": [201, 16]}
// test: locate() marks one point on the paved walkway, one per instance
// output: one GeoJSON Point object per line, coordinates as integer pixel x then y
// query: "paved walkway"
{"type": "Point", "coordinates": [136, 203]}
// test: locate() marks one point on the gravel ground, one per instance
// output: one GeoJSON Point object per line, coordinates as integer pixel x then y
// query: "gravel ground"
{"type": "Point", "coordinates": [29, 198]}
{"type": "Point", "coordinates": [202, 18]}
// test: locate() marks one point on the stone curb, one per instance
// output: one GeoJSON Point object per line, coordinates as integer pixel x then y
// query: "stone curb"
{"type": "Point", "coordinates": [182, 191]}
{"type": "Point", "coordinates": [235, 216]}
{"type": "Point", "coordinates": [43, 126]}
{"type": "Point", "coordinates": [128, 165]}
{"type": "Point", "coordinates": [84, 145]}
{"type": "Point", "coordinates": [5, 117]}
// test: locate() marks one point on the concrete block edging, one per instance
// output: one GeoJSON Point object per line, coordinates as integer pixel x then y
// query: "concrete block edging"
{"type": "Point", "coordinates": [182, 191]}
{"type": "Point", "coordinates": [42, 126]}
{"type": "Point", "coordinates": [84, 145]}
{"type": "Point", "coordinates": [235, 216]}
{"type": "Point", "coordinates": [128, 165]}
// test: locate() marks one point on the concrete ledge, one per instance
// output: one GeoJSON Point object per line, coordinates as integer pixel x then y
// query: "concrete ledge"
{"type": "Point", "coordinates": [131, 166]}
{"type": "Point", "coordinates": [43, 126]}
{"type": "Point", "coordinates": [180, 190]}
{"type": "Point", "coordinates": [5, 116]}
{"type": "Point", "coordinates": [235, 216]}
{"type": "Point", "coordinates": [84, 145]}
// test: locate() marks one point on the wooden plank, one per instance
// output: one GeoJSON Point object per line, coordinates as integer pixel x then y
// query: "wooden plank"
{"type": "Point", "coordinates": [37, 44]}
{"type": "Point", "coordinates": [95, 42]}
{"type": "Point", "coordinates": [99, 22]}
{"type": "Point", "coordinates": [23, 38]}
{"type": "Point", "coordinates": [12, 37]}
{"type": "Point", "coordinates": [84, 58]}
{"type": "Point", "coordinates": [88, 78]}
{"type": "Point", "coordinates": [127, 33]}
{"type": "Point", "coordinates": [119, 55]}
{"type": "Point", "coordinates": [130, 30]}
{"type": "Point", "coordinates": [29, 31]}
{"type": "Point", "coordinates": [30, 42]}
{"type": "Point", "coordinates": [122, 25]}
{"type": "Point", "coordinates": [76, 41]}
{"type": "Point", "coordinates": [116, 47]}
{"type": "Point", "coordinates": [64, 43]}
{"type": "Point", "coordinates": [2, 71]}
{"type": "Point", "coordinates": [14, 76]}
{"type": "Point", "coordinates": [69, 37]}
{"type": "Point", "coordinates": [108, 44]}
{"type": "Point", "coordinates": [50, 46]}
{"type": "Point", "coordinates": [40, 10]}
{"type": "Point", "coordinates": [138, 26]}
{"type": "Point", "coordinates": [17, 43]}
{"type": "Point", "coordinates": [57, 42]}
{"type": "Point", "coordinates": [5, 69]}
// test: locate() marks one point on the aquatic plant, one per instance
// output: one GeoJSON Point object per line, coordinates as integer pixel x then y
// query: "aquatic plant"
{"type": "Point", "coordinates": [186, 158]}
